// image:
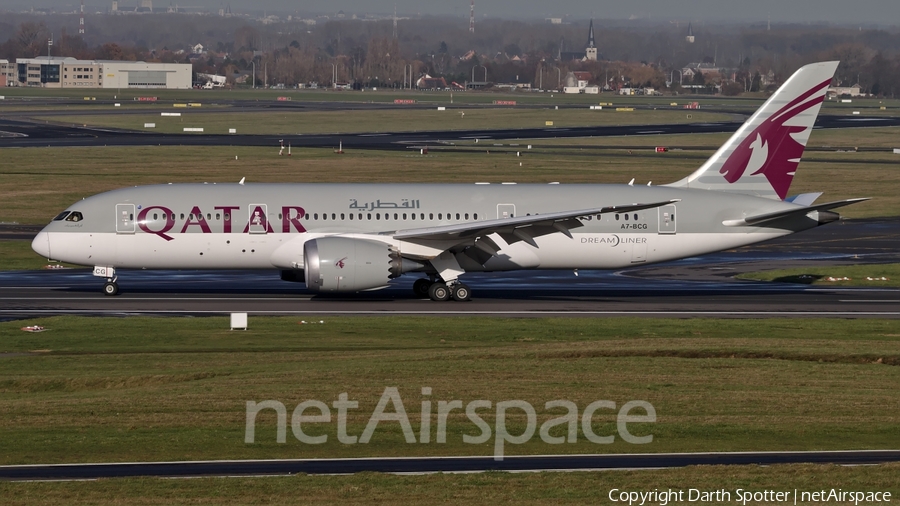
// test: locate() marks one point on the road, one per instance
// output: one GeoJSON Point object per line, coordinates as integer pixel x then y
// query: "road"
{"type": "Point", "coordinates": [25, 133]}
{"type": "Point", "coordinates": [422, 465]}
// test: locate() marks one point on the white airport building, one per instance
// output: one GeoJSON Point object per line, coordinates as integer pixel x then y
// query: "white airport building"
{"type": "Point", "coordinates": [66, 72]}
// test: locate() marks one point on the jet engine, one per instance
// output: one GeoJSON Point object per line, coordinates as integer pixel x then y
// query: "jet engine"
{"type": "Point", "coordinates": [342, 264]}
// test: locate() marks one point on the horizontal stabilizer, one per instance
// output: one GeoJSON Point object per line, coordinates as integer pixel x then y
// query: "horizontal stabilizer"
{"type": "Point", "coordinates": [804, 199]}
{"type": "Point", "coordinates": [799, 211]}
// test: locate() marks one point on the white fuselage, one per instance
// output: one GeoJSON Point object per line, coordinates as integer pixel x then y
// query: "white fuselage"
{"type": "Point", "coordinates": [220, 227]}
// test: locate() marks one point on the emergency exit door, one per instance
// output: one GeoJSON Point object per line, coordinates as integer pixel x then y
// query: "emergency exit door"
{"type": "Point", "coordinates": [506, 211]}
{"type": "Point", "coordinates": [124, 218]}
{"type": "Point", "coordinates": [667, 219]}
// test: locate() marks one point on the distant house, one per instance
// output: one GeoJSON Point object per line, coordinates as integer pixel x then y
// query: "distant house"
{"type": "Point", "coordinates": [840, 91]}
{"type": "Point", "coordinates": [579, 82]}
{"type": "Point", "coordinates": [427, 82]}
{"type": "Point", "coordinates": [700, 68]}
{"type": "Point", "coordinates": [578, 78]}
{"type": "Point", "coordinates": [198, 49]}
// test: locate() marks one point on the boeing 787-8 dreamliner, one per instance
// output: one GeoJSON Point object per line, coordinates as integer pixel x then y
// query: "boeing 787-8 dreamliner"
{"type": "Point", "coordinates": [356, 237]}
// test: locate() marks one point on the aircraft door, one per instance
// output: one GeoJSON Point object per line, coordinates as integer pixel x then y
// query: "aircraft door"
{"type": "Point", "coordinates": [124, 218]}
{"type": "Point", "coordinates": [639, 252]}
{"type": "Point", "coordinates": [259, 221]}
{"type": "Point", "coordinates": [506, 211]}
{"type": "Point", "coordinates": [667, 219]}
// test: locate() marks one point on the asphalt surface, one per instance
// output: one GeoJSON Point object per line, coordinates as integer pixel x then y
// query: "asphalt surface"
{"type": "Point", "coordinates": [420, 465]}
{"type": "Point", "coordinates": [699, 286]}
{"type": "Point", "coordinates": [26, 133]}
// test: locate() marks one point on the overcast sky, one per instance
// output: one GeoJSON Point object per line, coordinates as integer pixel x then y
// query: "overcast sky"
{"type": "Point", "coordinates": [880, 12]}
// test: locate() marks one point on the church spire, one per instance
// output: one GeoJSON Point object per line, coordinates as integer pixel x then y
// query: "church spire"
{"type": "Point", "coordinates": [591, 35]}
{"type": "Point", "coordinates": [590, 52]}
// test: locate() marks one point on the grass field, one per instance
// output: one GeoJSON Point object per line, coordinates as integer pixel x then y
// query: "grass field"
{"type": "Point", "coordinates": [751, 100]}
{"type": "Point", "coordinates": [37, 183]}
{"type": "Point", "coordinates": [16, 254]}
{"type": "Point", "coordinates": [835, 140]}
{"type": "Point", "coordinates": [487, 488]}
{"type": "Point", "coordinates": [14, 95]}
{"type": "Point", "coordinates": [365, 121]}
{"type": "Point", "coordinates": [143, 388]}
{"type": "Point", "coordinates": [858, 275]}
{"type": "Point", "coordinates": [89, 390]}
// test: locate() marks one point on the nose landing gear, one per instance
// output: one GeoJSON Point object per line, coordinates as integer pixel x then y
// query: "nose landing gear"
{"type": "Point", "coordinates": [110, 288]}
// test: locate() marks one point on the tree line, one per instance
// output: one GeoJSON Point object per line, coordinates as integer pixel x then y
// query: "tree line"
{"type": "Point", "coordinates": [364, 51]}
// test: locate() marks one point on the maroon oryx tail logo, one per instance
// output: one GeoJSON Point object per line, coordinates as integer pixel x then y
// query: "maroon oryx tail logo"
{"type": "Point", "coordinates": [340, 263]}
{"type": "Point", "coordinates": [771, 149]}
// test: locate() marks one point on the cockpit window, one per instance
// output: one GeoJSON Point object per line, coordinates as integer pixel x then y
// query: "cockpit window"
{"type": "Point", "coordinates": [75, 216]}
{"type": "Point", "coordinates": [61, 216]}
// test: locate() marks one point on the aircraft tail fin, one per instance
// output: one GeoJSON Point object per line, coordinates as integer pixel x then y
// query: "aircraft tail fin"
{"type": "Point", "coordinates": [762, 156]}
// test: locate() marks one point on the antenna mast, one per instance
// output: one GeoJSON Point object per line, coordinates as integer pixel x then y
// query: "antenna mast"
{"type": "Point", "coordinates": [472, 17]}
{"type": "Point", "coordinates": [81, 21]}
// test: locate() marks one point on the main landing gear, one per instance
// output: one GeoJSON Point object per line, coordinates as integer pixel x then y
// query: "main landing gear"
{"type": "Point", "coordinates": [440, 291]}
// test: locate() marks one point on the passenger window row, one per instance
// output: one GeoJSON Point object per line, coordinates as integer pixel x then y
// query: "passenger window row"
{"type": "Point", "coordinates": [333, 216]}
{"type": "Point", "coordinates": [388, 216]}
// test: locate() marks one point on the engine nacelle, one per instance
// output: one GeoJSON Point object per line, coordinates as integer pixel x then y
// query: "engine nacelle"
{"type": "Point", "coordinates": [342, 264]}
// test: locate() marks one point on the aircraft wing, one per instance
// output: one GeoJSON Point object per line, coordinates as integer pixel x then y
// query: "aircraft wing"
{"type": "Point", "coordinates": [519, 228]}
{"type": "Point", "coordinates": [800, 211]}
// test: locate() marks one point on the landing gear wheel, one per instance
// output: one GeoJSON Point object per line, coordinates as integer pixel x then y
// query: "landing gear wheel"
{"type": "Point", "coordinates": [421, 286]}
{"type": "Point", "coordinates": [111, 288]}
{"type": "Point", "coordinates": [461, 292]}
{"type": "Point", "coordinates": [439, 292]}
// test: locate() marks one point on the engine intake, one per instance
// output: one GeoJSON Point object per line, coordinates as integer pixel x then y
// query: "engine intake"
{"type": "Point", "coordinates": [342, 264]}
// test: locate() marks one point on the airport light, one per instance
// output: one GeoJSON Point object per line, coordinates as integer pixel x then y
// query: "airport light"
{"type": "Point", "coordinates": [541, 75]}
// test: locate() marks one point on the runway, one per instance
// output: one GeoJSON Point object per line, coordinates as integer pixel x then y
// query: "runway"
{"type": "Point", "coordinates": [423, 465]}
{"type": "Point", "coordinates": [22, 133]}
{"type": "Point", "coordinates": [700, 286]}
{"type": "Point", "coordinates": [683, 301]}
